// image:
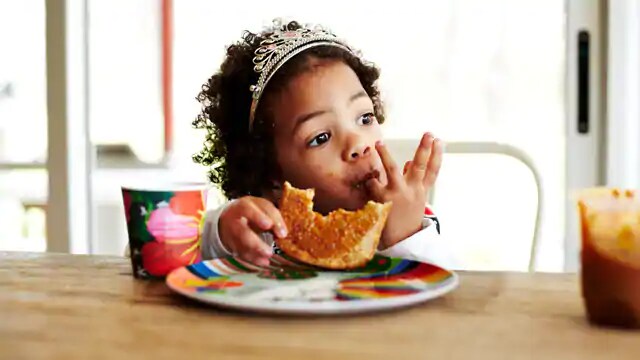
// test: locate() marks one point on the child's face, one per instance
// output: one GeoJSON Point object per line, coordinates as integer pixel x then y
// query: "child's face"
{"type": "Point", "coordinates": [325, 135]}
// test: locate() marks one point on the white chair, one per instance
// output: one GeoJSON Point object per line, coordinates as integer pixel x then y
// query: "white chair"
{"type": "Point", "coordinates": [404, 149]}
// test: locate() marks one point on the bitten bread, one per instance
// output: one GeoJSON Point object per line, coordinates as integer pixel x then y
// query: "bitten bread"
{"type": "Point", "coordinates": [341, 240]}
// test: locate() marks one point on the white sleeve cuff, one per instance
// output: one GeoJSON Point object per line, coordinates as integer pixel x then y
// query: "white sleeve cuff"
{"type": "Point", "coordinates": [426, 246]}
{"type": "Point", "coordinates": [211, 245]}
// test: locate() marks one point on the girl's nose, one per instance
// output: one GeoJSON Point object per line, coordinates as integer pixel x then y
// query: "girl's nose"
{"type": "Point", "coordinates": [357, 149]}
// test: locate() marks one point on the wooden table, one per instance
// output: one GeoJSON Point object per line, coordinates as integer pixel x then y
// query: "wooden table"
{"type": "Point", "coordinates": [55, 306]}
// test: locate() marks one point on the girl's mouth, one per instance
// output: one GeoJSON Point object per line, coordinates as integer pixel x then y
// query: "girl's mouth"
{"type": "Point", "coordinates": [360, 183]}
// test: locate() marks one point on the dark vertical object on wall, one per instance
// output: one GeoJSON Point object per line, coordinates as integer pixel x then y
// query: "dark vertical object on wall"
{"type": "Point", "coordinates": [583, 82]}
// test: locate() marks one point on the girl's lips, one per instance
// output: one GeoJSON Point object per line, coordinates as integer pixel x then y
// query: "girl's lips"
{"type": "Point", "coordinates": [359, 183]}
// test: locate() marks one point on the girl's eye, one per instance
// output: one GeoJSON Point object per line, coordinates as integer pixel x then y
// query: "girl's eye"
{"type": "Point", "coordinates": [320, 139]}
{"type": "Point", "coordinates": [366, 119]}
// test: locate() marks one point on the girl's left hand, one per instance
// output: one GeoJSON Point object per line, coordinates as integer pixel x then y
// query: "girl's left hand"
{"type": "Point", "coordinates": [407, 192]}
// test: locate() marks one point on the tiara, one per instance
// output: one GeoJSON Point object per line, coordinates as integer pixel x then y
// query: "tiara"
{"type": "Point", "coordinates": [281, 46]}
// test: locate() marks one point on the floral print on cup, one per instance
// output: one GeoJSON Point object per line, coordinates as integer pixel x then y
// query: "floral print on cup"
{"type": "Point", "coordinates": [164, 229]}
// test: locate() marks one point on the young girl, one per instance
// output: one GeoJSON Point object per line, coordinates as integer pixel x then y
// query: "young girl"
{"type": "Point", "coordinates": [298, 104]}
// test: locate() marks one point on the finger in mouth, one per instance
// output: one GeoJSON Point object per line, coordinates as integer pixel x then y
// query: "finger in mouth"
{"type": "Point", "coordinates": [375, 174]}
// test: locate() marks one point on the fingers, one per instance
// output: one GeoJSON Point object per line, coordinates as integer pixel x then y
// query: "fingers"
{"type": "Point", "coordinates": [254, 214]}
{"type": "Point", "coordinates": [416, 173]}
{"type": "Point", "coordinates": [279, 227]}
{"type": "Point", "coordinates": [407, 166]}
{"type": "Point", "coordinates": [376, 189]}
{"type": "Point", "coordinates": [262, 215]}
{"type": "Point", "coordinates": [393, 174]}
{"type": "Point", "coordinates": [248, 245]}
{"type": "Point", "coordinates": [433, 167]}
{"type": "Point", "coordinates": [241, 227]}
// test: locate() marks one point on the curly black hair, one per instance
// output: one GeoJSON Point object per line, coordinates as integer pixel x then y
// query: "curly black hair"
{"type": "Point", "coordinates": [243, 162]}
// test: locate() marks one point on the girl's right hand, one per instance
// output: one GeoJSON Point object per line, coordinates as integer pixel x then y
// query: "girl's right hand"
{"type": "Point", "coordinates": [241, 223]}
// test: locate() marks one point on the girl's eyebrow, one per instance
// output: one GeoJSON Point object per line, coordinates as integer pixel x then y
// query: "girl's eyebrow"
{"type": "Point", "coordinates": [357, 96]}
{"type": "Point", "coordinates": [306, 117]}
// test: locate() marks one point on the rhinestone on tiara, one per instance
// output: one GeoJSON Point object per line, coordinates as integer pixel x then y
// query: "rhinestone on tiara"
{"type": "Point", "coordinates": [281, 46]}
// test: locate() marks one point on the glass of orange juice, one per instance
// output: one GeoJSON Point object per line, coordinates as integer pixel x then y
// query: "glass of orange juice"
{"type": "Point", "coordinates": [610, 257]}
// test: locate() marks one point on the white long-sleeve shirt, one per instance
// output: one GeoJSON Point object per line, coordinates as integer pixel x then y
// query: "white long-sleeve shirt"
{"type": "Point", "coordinates": [426, 245]}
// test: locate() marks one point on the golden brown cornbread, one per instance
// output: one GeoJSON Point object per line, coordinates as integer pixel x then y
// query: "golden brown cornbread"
{"type": "Point", "coordinates": [341, 240]}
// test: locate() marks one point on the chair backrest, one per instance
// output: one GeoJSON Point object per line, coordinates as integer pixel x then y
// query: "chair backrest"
{"type": "Point", "coordinates": [404, 149]}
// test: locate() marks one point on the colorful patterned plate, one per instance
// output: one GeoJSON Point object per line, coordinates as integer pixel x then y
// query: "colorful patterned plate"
{"type": "Point", "coordinates": [289, 287]}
